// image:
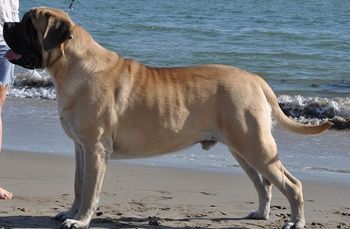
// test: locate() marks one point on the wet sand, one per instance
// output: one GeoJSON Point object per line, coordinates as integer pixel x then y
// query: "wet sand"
{"type": "Point", "coordinates": [138, 196]}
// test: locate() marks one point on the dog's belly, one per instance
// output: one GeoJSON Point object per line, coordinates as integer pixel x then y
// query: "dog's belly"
{"type": "Point", "coordinates": [138, 144]}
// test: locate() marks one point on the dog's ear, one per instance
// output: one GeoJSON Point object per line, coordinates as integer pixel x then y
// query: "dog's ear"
{"type": "Point", "coordinates": [57, 32]}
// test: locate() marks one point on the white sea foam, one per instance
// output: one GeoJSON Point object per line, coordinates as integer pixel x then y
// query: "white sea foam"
{"type": "Point", "coordinates": [33, 84]}
{"type": "Point", "coordinates": [323, 106]}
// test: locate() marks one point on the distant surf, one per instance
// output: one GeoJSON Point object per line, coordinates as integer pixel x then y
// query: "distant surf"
{"type": "Point", "coordinates": [317, 109]}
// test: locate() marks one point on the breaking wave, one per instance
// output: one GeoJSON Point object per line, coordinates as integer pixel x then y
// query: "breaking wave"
{"type": "Point", "coordinates": [35, 84]}
{"type": "Point", "coordinates": [317, 109]}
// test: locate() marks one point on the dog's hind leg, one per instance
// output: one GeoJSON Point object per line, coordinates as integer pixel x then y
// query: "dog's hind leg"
{"type": "Point", "coordinates": [250, 137]}
{"type": "Point", "coordinates": [258, 148]}
{"type": "Point", "coordinates": [95, 158]}
{"type": "Point", "coordinates": [262, 186]}
{"type": "Point", "coordinates": [78, 180]}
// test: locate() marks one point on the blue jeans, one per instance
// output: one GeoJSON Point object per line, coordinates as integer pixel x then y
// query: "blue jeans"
{"type": "Point", "coordinates": [6, 68]}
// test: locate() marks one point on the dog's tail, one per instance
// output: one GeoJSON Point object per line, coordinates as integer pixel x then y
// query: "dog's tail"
{"type": "Point", "coordinates": [287, 122]}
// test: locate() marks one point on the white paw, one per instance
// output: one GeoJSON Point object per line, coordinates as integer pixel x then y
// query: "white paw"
{"type": "Point", "coordinates": [72, 223]}
{"type": "Point", "coordinates": [257, 215]}
{"type": "Point", "coordinates": [292, 225]}
{"type": "Point", "coordinates": [62, 216]}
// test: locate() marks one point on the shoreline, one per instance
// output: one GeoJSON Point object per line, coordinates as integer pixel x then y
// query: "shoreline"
{"type": "Point", "coordinates": [327, 177]}
{"type": "Point", "coordinates": [141, 196]}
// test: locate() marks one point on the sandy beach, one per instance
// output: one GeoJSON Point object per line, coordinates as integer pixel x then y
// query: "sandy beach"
{"type": "Point", "coordinates": [139, 196]}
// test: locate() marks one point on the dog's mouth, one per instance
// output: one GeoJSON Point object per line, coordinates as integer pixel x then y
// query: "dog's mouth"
{"type": "Point", "coordinates": [31, 60]}
{"type": "Point", "coordinates": [12, 56]}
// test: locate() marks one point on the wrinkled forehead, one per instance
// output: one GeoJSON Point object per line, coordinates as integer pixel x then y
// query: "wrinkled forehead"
{"type": "Point", "coordinates": [27, 15]}
{"type": "Point", "coordinates": [39, 17]}
{"type": "Point", "coordinates": [31, 18]}
{"type": "Point", "coordinates": [39, 12]}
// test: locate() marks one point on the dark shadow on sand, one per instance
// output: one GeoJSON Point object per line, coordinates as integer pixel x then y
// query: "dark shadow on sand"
{"type": "Point", "coordinates": [7, 222]}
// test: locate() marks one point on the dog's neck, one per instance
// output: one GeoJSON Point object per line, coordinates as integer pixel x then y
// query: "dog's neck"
{"type": "Point", "coordinates": [81, 52]}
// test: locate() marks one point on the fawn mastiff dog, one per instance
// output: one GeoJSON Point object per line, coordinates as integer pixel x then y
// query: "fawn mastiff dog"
{"type": "Point", "coordinates": [113, 107]}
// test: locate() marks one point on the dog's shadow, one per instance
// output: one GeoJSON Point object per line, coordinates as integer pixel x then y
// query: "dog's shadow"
{"type": "Point", "coordinates": [7, 222]}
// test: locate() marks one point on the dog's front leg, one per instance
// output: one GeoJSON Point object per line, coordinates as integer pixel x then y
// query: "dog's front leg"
{"type": "Point", "coordinates": [94, 169]}
{"type": "Point", "coordinates": [78, 181]}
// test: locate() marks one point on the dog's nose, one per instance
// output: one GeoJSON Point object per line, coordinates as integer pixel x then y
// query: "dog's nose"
{"type": "Point", "coordinates": [9, 25]}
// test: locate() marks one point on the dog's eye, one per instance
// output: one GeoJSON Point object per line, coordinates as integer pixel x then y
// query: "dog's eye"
{"type": "Point", "coordinates": [29, 27]}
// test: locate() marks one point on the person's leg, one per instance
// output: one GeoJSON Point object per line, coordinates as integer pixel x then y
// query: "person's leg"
{"type": "Point", "coordinates": [6, 76]}
{"type": "Point", "coordinates": [3, 91]}
{"type": "Point", "coordinates": [4, 195]}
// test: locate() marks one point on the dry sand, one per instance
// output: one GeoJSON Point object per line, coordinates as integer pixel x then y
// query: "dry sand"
{"type": "Point", "coordinates": [137, 196]}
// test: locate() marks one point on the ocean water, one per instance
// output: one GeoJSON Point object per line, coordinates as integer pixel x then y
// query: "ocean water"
{"type": "Point", "coordinates": [301, 48]}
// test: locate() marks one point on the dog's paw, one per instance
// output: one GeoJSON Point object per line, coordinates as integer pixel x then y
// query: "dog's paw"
{"type": "Point", "coordinates": [292, 225]}
{"type": "Point", "coordinates": [74, 224]}
{"type": "Point", "coordinates": [257, 215]}
{"type": "Point", "coordinates": [62, 216]}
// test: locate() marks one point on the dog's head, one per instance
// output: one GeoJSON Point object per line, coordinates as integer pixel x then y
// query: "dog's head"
{"type": "Point", "coordinates": [35, 41]}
